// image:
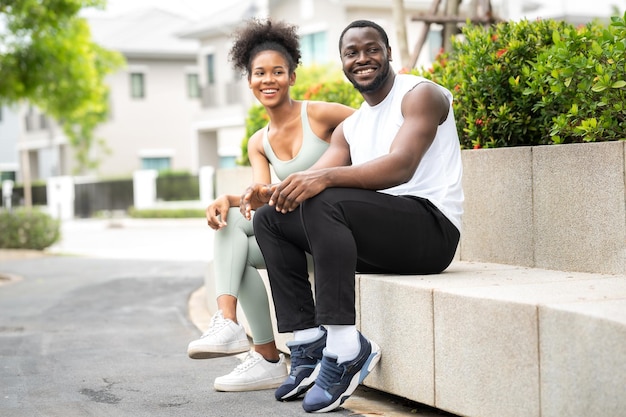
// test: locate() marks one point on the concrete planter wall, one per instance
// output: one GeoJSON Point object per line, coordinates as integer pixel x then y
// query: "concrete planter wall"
{"type": "Point", "coordinates": [559, 207]}
{"type": "Point", "coordinates": [553, 207]}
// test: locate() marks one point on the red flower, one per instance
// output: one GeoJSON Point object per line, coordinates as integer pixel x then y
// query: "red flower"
{"type": "Point", "coordinates": [500, 52]}
{"type": "Point", "coordinates": [494, 37]}
{"type": "Point", "coordinates": [479, 122]}
{"type": "Point", "coordinates": [477, 146]}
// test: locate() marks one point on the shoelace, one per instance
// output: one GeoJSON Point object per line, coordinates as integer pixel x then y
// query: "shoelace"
{"type": "Point", "coordinates": [249, 361]}
{"type": "Point", "coordinates": [329, 372]}
{"type": "Point", "coordinates": [299, 357]}
{"type": "Point", "coordinates": [217, 323]}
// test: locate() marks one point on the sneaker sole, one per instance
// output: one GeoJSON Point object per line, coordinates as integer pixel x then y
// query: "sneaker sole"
{"type": "Point", "coordinates": [256, 386]}
{"type": "Point", "coordinates": [303, 386]}
{"type": "Point", "coordinates": [217, 352]}
{"type": "Point", "coordinates": [370, 364]}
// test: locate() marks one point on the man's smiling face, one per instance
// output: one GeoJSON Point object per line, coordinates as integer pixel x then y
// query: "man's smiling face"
{"type": "Point", "coordinates": [365, 58]}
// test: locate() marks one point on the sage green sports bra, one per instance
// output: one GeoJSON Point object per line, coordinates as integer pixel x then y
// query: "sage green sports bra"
{"type": "Point", "coordinates": [312, 148]}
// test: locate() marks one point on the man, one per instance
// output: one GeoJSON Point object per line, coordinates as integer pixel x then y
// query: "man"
{"type": "Point", "coordinates": [385, 197]}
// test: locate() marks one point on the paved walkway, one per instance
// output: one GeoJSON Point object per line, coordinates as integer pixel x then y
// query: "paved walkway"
{"type": "Point", "coordinates": [103, 329]}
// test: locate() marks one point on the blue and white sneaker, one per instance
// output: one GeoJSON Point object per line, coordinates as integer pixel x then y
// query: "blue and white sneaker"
{"type": "Point", "coordinates": [337, 381]}
{"type": "Point", "coordinates": [305, 366]}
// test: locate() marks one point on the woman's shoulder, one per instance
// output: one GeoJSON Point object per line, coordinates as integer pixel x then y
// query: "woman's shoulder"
{"type": "Point", "coordinates": [323, 109]}
{"type": "Point", "coordinates": [256, 140]}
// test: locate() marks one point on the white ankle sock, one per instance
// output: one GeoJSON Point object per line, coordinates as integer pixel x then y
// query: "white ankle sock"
{"type": "Point", "coordinates": [307, 335]}
{"type": "Point", "coordinates": [343, 341]}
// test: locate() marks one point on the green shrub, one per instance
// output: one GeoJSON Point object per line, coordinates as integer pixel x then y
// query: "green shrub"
{"type": "Point", "coordinates": [28, 229]}
{"type": "Point", "coordinates": [316, 83]}
{"type": "Point", "coordinates": [177, 186]}
{"type": "Point", "coordinates": [181, 213]}
{"type": "Point", "coordinates": [539, 82]}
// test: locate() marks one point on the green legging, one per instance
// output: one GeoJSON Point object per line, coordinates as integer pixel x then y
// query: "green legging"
{"type": "Point", "coordinates": [236, 261]}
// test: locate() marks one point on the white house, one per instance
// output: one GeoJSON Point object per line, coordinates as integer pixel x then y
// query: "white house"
{"type": "Point", "coordinates": [153, 99]}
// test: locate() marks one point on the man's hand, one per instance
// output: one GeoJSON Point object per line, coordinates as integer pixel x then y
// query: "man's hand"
{"type": "Point", "coordinates": [296, 188]}
{"type": "Point", "coordinates": [254, 197]}
{"type": "Point", "coordinates": [217, 212]}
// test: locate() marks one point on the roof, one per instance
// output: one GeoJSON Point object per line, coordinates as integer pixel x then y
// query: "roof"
{"type": "Point", "coordinates": [222, 22]}
{"type": "Point", "coordinates": [147, 32]}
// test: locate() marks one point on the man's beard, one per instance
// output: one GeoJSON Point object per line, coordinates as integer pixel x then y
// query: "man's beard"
{"type": "Point", "coordinates": [375, 84]}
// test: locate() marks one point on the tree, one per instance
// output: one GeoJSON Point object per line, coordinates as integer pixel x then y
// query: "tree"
{"type": "Point", "coordinates": [47, 58]}
{"type": "Point", "coordinates": [399, 19]}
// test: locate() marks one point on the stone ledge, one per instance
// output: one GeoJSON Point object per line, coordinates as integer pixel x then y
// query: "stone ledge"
{"type": "Point", "coordinates": [493, 340]}
{"type": "Point", "coordinates": [489, 340]}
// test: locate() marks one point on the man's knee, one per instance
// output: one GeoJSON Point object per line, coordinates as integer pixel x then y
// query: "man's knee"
{"type": "Point", "coordinates": [327, 197]}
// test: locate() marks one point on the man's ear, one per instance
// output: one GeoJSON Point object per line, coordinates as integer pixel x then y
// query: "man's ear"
{"type": "Point", "coordinates": [389, 53]}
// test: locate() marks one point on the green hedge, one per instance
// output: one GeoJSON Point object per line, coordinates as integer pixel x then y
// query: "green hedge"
{"type": "Point", "coordinates": [536, 83]}
{"type": "Point", "coordinates": [28, 229]}
{"type": "Point", "coordinates": [165, 213]}
{"type": "Point", "coordinates": [177, 186]}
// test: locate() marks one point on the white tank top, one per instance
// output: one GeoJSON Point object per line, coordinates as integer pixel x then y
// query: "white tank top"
{"type": "Point", "coordinates": [371, 130]}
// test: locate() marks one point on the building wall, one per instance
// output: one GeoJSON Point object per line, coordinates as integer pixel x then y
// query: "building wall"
{"type": "Point", "coordinates": [225, 104]}
{"type": "Point", "coordinates": [9, 132]}
{"type": "Point", "coordinates": [158, 124]}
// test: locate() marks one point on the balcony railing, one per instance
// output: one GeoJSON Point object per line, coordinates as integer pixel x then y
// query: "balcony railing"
{"type": "Point", "coordinates": [209, 96]}
{"type": "Point", "coordinates": [233, 94]}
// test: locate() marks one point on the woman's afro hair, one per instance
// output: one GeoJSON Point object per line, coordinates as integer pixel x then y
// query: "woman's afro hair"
{"type": "Point", "coordinates": [262, 35]}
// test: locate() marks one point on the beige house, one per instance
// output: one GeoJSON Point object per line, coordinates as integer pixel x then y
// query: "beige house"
{"type": "Point", "coordinates": [153, 100]}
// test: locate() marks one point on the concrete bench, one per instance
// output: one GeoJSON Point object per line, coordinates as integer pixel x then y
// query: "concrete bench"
{"type": "Point", "coordinates": [492, 340]}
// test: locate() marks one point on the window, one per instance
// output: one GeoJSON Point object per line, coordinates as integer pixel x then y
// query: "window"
{"type": "Point", "coordinates": [210, 69]}
{"type": "Point", "coordinates": [137, 89]}
{"type": "Point", "coordinates": [193, 86]}
{"type": "Point", "coordinates": [43, 121]}
{"type": "Point", "coordinates": [228, 162]}
{"type": "Point", "coordinates": [157, 163]}
{"type": "Point", "coordinates": [314, 48]}
{"type": "Point", "coordinates": [28, 119]}
{"type": "Point", "coordinates": [7, 175]}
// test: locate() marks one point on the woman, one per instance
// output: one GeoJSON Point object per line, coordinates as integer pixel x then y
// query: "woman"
{"type": "Point", "coordinates": [296, 136]}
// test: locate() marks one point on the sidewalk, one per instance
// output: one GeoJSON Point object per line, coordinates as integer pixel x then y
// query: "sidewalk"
{"type": "Point", "coordinates": [126, 238]}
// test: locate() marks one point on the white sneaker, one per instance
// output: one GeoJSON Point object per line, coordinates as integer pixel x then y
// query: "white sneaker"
{"type": "Point", "coordinates": [254, 373]}
{"type": "Point", "coordinates": [223, 337]}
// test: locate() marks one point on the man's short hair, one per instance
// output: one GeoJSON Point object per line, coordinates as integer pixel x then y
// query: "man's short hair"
{"type": "Point", "coordinates": [365, 24]}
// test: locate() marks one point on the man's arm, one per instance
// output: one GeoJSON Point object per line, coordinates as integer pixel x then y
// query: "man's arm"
{"type": "Point", "coordinates": [424, 108]}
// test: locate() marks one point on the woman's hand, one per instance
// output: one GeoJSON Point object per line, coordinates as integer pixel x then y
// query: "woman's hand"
{"type": "Point", "coordinates": [217, 212]}
{"type": "Point", "coordinates": [255, 196]}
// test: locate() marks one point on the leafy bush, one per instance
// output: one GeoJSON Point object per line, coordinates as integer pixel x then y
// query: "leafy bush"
{"type": "Point", "coordinates": [322, 83]}
{"type": "Point", "coordinates": [28, 229]}
{"type": "Point", "coordinates": [540, 82]}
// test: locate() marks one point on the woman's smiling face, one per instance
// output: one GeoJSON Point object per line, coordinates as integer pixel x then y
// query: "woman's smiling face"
{"type": "Point", "coordinates": [269, 77]}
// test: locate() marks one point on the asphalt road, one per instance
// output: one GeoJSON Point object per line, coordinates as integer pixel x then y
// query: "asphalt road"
{"type": "Point", "coordinates": [100, 325]}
